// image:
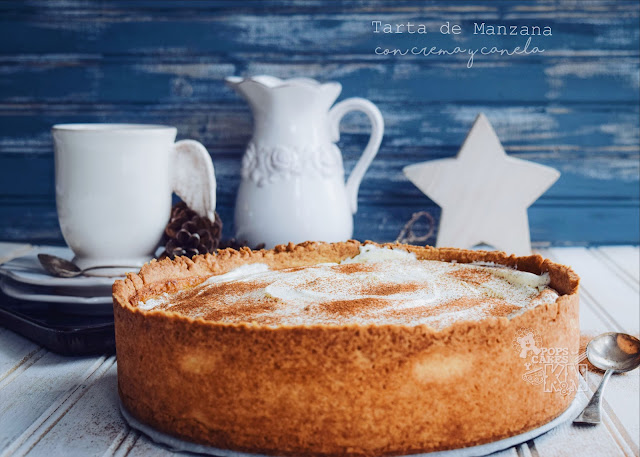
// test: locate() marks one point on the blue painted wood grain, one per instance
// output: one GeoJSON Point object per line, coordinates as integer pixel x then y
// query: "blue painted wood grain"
{"type": "Point", "coordinates": [574, 107]}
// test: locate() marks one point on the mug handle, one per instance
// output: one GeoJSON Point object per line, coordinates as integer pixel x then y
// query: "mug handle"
{"type": "Point", "coordinates": [377, 129]}
{"type": "Point", "coordinates": [193, 178]}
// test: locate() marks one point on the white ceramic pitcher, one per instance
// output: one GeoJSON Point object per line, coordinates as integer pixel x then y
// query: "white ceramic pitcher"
{"type": "Point", "coordinates": [293, 187]}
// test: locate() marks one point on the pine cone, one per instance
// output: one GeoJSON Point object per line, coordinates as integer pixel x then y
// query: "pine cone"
{"type": "Point", "coordinates": [188, 234]}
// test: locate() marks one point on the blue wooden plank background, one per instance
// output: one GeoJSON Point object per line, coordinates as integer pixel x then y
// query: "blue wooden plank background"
{"type": "Point", "coordinates": [574, 107]}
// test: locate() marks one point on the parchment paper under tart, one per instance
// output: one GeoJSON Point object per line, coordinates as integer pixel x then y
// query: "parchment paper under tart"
{"type": "Point", "coordinates": [336, 389]}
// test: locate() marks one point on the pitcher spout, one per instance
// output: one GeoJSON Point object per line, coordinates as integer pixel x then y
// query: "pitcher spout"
{"type": "Point", "coordinates": [254, 90]}
{"type": "Point", "coordinates": [259, 90]}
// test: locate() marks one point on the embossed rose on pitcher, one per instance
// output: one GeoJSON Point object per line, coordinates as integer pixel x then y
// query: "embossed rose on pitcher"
{"type": "Point", "coordinates": [292, 186]}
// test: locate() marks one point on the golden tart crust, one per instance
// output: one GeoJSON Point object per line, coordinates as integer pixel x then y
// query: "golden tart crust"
{"type": "Point", "coordinates": [329, 390]}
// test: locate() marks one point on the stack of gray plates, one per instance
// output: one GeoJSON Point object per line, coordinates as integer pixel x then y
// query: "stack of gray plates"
{"type": "Point", "coordinates": [24, 278]}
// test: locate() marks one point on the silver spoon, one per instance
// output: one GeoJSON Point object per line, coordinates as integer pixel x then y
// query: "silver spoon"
{"type": "Point", "coordinates": [63, 268]}
{"type": "Point", "coordinates": [615, 353]}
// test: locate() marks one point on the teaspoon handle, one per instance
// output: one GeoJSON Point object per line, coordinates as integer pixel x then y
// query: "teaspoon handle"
{"type": "Point", "coordinates": [100, 267]}
{"type": "Point", "coordinates": [591, 414]}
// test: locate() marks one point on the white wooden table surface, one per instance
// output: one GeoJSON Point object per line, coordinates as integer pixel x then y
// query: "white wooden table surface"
{"type": "Point", "coordinates": [53, 405]}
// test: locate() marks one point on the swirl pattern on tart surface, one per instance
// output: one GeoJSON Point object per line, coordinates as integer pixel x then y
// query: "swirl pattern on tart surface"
{"type": "Point", "coordinates": [378, 286]}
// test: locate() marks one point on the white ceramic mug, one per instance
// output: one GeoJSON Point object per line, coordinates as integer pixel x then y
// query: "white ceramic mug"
{"type": "Point", "coordinates": [114, 184]}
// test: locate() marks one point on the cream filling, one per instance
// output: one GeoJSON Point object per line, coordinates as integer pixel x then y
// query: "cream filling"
{"type": "Point", "coordinates": [417, 292]}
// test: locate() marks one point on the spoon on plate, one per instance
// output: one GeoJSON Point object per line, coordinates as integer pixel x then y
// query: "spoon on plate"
{"type": "Point", "coordinates": [615, 353]}
{"type": "Point", "coordinates": [63, 268]}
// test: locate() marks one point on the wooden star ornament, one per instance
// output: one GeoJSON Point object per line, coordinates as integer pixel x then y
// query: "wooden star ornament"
{"type": "Point", "coordinates": [484, 194]}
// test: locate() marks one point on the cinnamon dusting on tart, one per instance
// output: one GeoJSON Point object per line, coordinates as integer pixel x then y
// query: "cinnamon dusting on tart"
{"type": "Point", "coordinates": [247, 311]}
{"type": "Point", "coordinates": [220, 291]}
{"type": "Point", "coordinates": [347, 308]}
{"type": "Point", "coordinates": [394, 288]}
{"type": "Point", "coordinates": [491, 307]}
{"type": "Point", "coordinates": [472, 276]}
{"type": "Point", "coordinates": [349, 268]}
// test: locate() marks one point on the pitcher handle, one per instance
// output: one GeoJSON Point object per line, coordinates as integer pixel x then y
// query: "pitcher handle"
{"type": "Point", "coordinates": [377, 129]}
{"type": "Point", "coordinates": [193, 178]}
